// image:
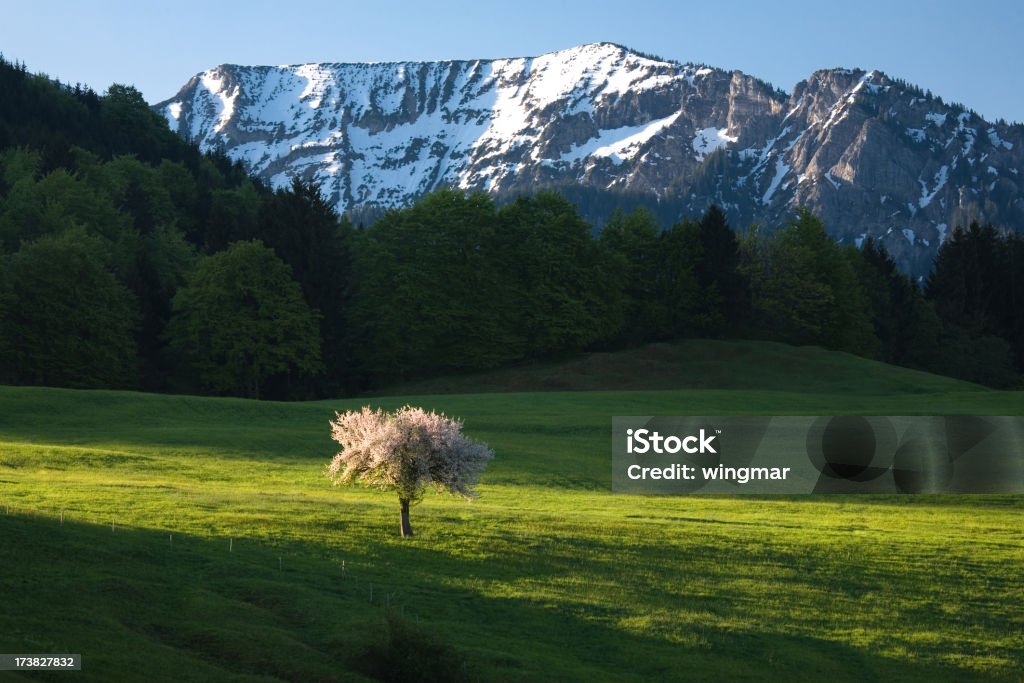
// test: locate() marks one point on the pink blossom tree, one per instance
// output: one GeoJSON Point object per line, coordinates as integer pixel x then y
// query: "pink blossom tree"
{"type": "Point", "coordinates": [406, 451]}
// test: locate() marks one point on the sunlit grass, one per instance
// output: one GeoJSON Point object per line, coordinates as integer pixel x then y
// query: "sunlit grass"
{"type": "Point", "coordinates": [201, 541]}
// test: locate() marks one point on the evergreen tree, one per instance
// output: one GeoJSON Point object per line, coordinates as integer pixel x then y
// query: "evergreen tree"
{"type": "Point", "coordinates": [963, 283]}
{"type": "Point", "coordinates": [805, 289]}
{"type": "Point", "coordinates": [1010, 311]}
{"type": "Point", "coordinates": [305, 231]}
{"type": "Point", "coordinates": [726, 296]}
{"type": "Point", "coordinates": [631, 244]}
{"type": "Point", "coordinates": [234, 216]}
{"type": "Point", "coordinates": [163, 261]}
{"type": "Point", "coordinates": [678, 296]}
{"type": "Point", "coordinates": [905, 324]}
{"type": "Point", "coordinates": [976, 288]}
{"type": "Point", "coordinates": [554, 272]}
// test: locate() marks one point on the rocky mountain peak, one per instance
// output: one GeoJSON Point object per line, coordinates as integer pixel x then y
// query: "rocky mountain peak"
{"type": "Point", "coordinates": [871, 154]}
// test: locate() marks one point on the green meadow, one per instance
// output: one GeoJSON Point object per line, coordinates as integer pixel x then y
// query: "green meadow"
{"type": "Point", "coordinates": [180, 538]}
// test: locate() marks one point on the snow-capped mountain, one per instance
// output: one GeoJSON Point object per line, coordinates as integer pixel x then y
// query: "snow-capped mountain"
{"type": "Point", "coordinates": [871, 155]}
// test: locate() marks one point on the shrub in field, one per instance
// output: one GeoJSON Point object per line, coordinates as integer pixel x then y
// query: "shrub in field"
{"type": "Point", "coordinates": [401, 651]}
{"type": "Point", "coordinates": [406, 451]}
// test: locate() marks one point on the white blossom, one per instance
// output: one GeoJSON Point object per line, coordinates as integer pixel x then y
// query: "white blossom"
{"type": "Point", "coordinates": [406, 451]}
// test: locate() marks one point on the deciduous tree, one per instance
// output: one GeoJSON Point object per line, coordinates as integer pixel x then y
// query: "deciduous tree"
{"type": "Point", "coordinates": [406, 451]}
{"type": "Point", "coordinates": [68, 321]}
{"type": "Point", "coordinates": [242, 320]}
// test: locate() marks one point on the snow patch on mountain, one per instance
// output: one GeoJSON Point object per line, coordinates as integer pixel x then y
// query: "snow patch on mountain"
{"type": "Point", "coordinates": [781, 169]}
{"type": "Point", "coordinates": [993, 137]}
{"type": "Point", "coordinates": [708, 140]}
{"type": "Point", "coordinates": [939, 181]}
{"type": "Point", "coordinates": [916, 134]}
{"type": "Point", "coordinates": [619, 144]}
{"type": "Point", "coordinates": [223, 101]}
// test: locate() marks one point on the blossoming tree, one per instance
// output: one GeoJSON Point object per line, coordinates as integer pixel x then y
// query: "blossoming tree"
{"type": "Point", "coordinates": [406, 451]}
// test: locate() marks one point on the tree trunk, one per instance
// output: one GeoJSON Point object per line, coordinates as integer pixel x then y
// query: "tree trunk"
{"type": "Point", "coordinates": [406, 527]}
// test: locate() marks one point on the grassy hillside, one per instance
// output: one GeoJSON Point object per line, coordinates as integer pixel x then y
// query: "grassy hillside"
{"type": "Point", "coordinates": [697, 364]}
{"type": "Point", "coordinates": [200, 541]}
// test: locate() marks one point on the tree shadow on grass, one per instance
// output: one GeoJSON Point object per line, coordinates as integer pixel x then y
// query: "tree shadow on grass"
{"type": "Point", "coordinates": [138, 603]}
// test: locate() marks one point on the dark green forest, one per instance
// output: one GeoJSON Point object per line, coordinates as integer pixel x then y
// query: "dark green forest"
{"type": "Point", "coordinates": [128, 259]}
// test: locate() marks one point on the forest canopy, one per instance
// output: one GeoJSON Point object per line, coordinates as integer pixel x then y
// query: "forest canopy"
{"type": "Point", "coordinates": [130, 259]}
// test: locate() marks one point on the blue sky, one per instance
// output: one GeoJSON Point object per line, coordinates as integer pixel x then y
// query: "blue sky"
{"type": "Point", "coordinates": [968, 52]}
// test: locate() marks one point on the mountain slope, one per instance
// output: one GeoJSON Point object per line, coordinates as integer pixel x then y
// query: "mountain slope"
{"type": "Point", "coordinates": [872, 155]}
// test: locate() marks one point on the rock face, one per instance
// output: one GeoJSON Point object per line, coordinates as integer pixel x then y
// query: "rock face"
{"type": "Point", "coordinates": [870, 154]}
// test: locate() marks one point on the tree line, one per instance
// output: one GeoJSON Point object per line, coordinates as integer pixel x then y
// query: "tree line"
{"type": "Point", "coordinates": [128, 259]}
{"type": "Point", "coordinates": [457, 283]}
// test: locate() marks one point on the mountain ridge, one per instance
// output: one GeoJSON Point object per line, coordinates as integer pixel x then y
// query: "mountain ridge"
{"type": "Point", "coordinates": [871, 154]}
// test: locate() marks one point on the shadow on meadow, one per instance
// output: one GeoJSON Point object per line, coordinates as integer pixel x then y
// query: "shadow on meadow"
{"type": "Point", "coordinates": [143, 603]}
